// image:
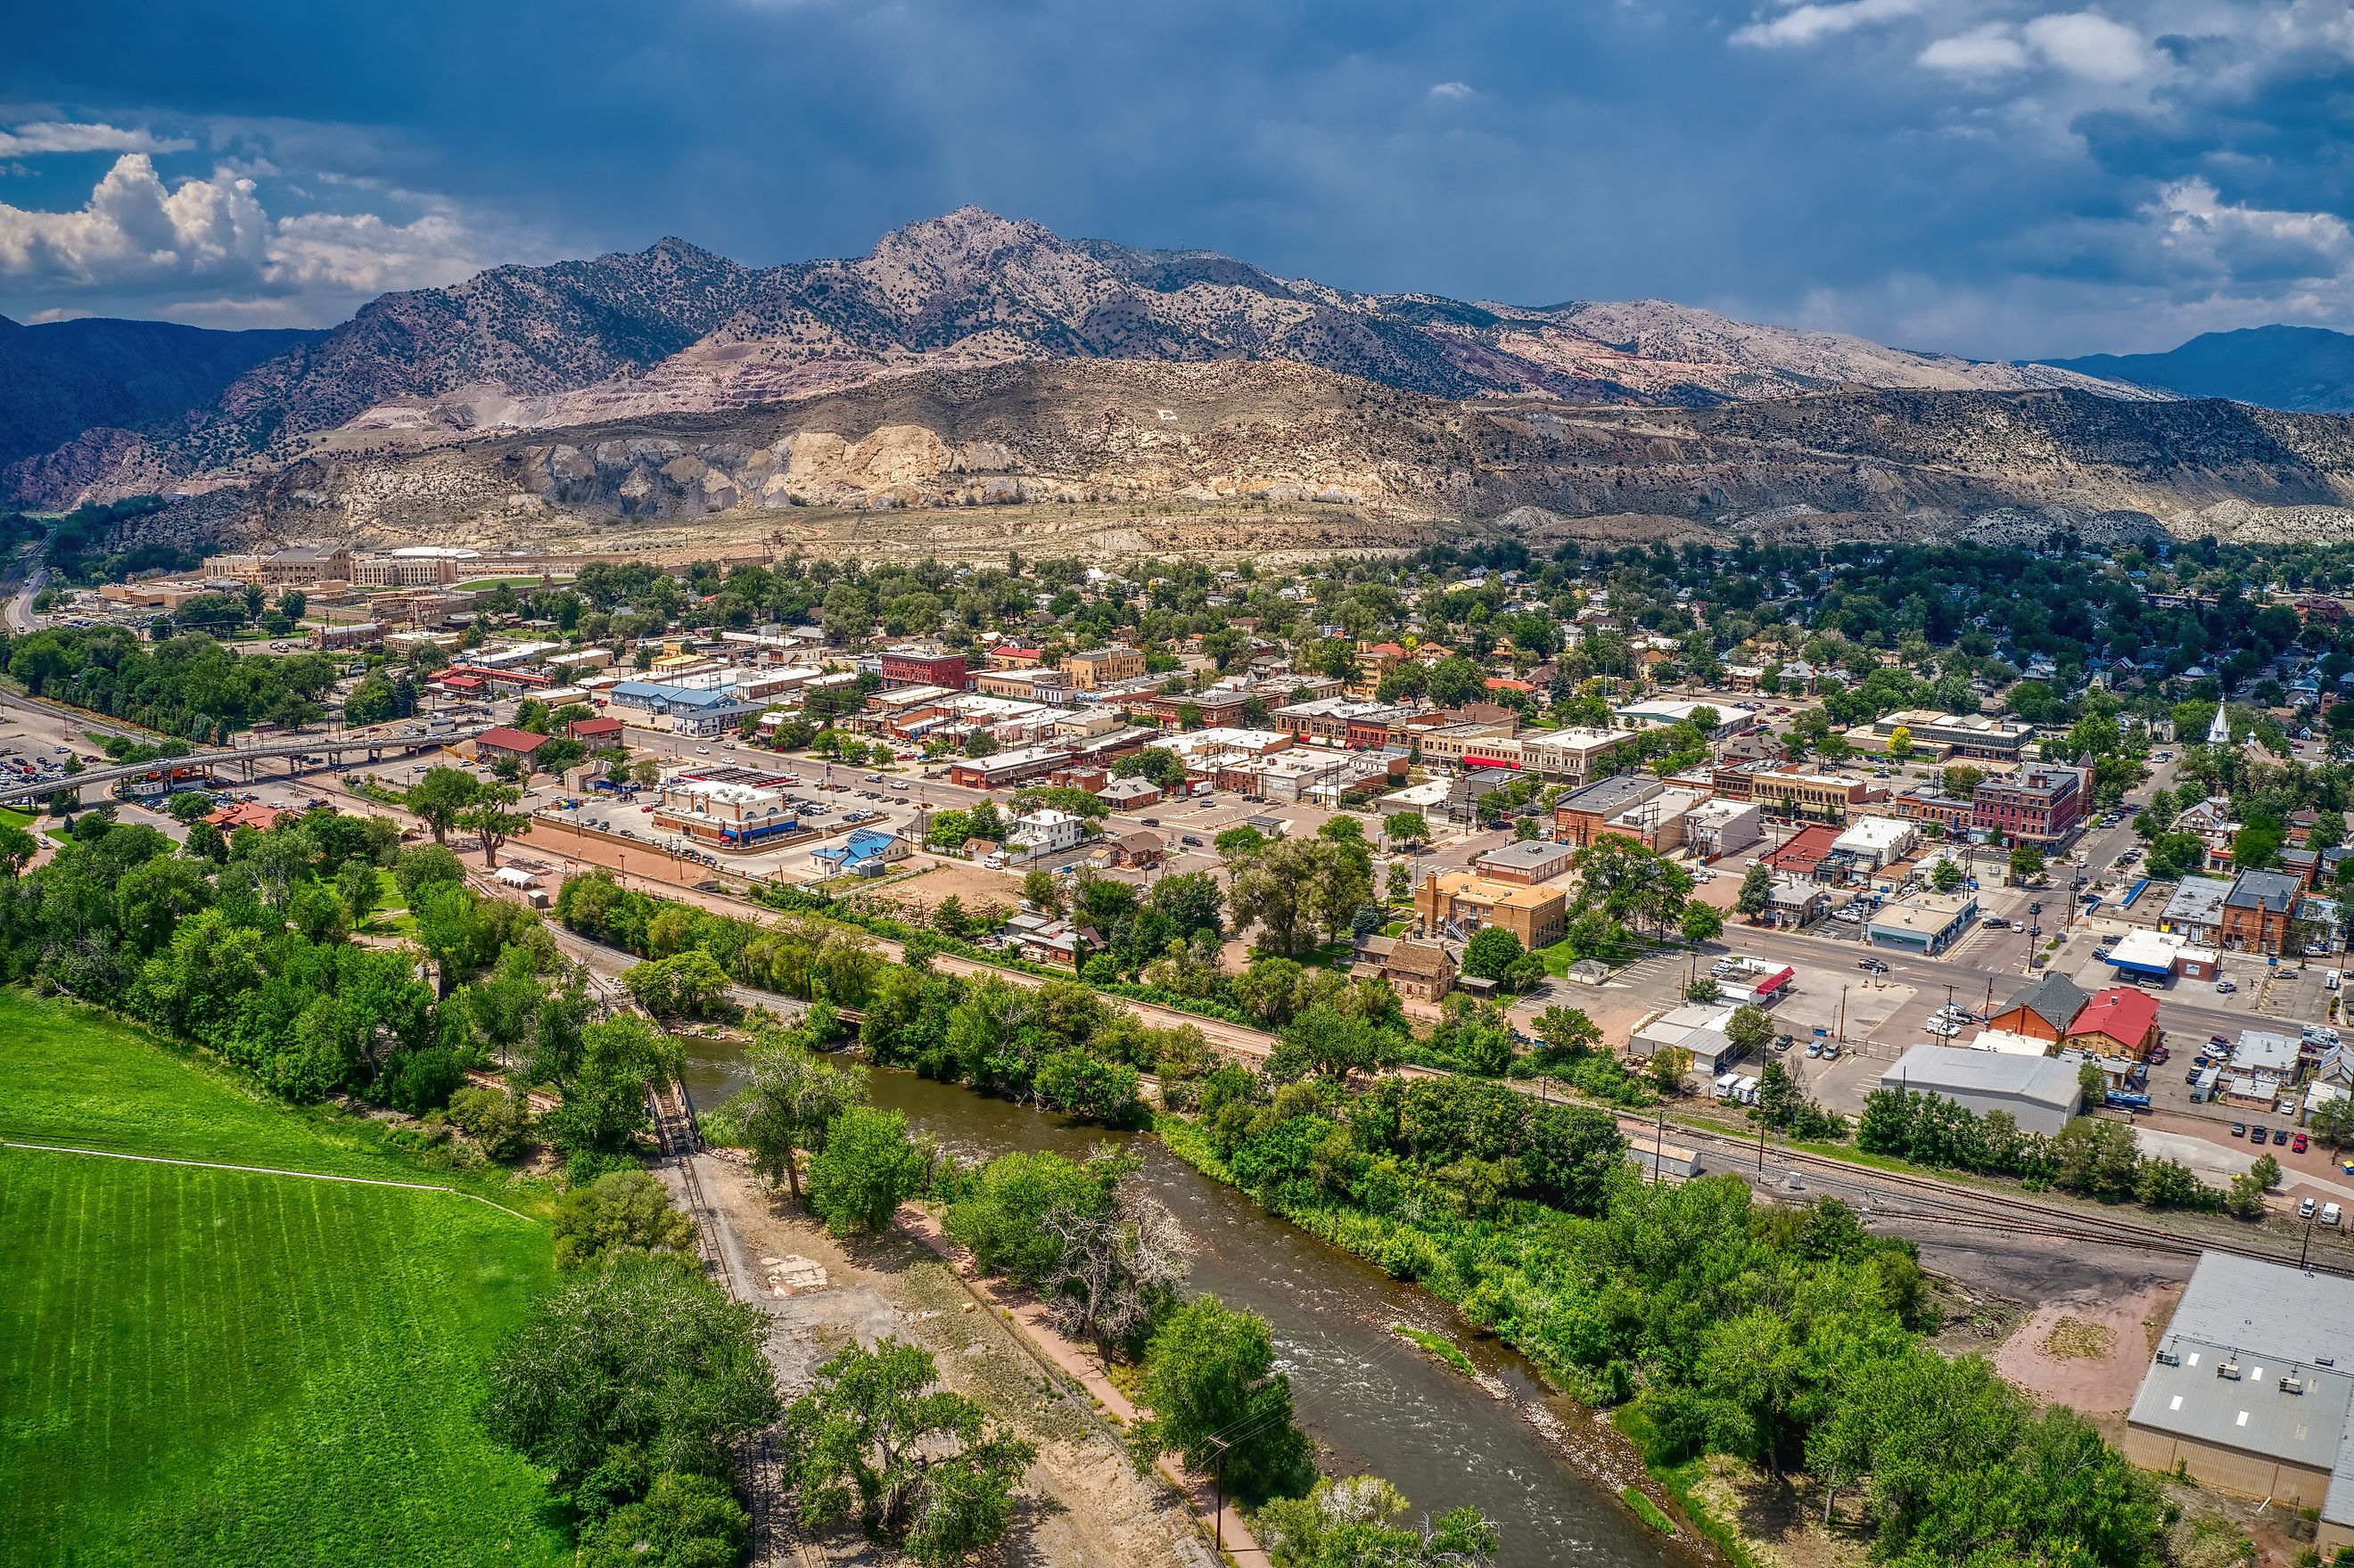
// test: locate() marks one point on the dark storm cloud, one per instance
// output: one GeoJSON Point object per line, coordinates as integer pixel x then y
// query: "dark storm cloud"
{"type": "Point", "coordinates": [1988, 177]}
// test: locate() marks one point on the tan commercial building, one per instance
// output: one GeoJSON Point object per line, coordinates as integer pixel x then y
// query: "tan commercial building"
{"type": "Point", "coordinates": [1816, 797]}
{"type": "Point", "coordinates": [1457, 904]}
{"type": "Point", "coordinates": [2248, 1390]}
{"type": "Point", "coordinates": [1097, 667]}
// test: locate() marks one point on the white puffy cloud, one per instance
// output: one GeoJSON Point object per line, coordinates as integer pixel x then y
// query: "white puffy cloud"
{"type": "Point", "coordinates": [2203, 237]}
{"type": "Point", "coordinates": [209, 242]}
{"type": "Point", "coordinates": [2088, 45]}
{"type": "Point", "coordinates": [1987, 50]}
{"type": "Point", "coordinates": [2084, 45]}
{"type": "Point", "coordinates": [1450, 89]}
{"type": "Point", "coordinates": [132, 228]}
{"type": "Point", "coordinates": [1815, 21]}
{"type": "Point", "coordinates": [66, 136]}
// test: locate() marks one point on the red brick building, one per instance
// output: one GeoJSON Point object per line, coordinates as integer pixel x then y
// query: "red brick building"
{"type": "Point", "coordinates": [2039, 805]}
{"type": "Point", "coordinates": [921, 667]}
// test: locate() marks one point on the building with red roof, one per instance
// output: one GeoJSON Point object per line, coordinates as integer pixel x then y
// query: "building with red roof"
{"type": "Point", "coordinates": [2119, 1022]}
{"type": "Point", "coordinates": [246, 814]}
{"type": "Point", "coordinates": [1806, 851]}
{"type": "Point", "coordinates": [506, 741]}
{"type": "Point", "coordinates": [594, 733]}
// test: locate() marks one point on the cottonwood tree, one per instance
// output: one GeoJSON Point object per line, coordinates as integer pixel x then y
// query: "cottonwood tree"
{"type": "Point", "coordinates": [920, 1466]}
{"type": "Point", "coordinates": [793, 1097]}
{"type": "Point", "coordinates": [492, 817]}
{"type": "Point", "coordinates": [1219, 1403]}
{"type": "Point", "coordinates": [866, 1169]}
{"type": "Point", "coordinates": [1120, 1256]}
{"type": "Point", "coordinates": [441, 797]}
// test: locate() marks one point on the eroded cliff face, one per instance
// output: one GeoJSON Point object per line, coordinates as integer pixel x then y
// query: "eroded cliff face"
{"type": "Point", "coordinates": [1225, 439]}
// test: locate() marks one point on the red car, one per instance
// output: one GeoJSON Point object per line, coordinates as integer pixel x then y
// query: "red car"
{"type": "Point", "coordinates": [2296, 1144]}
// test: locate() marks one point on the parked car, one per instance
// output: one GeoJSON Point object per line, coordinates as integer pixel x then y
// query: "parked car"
{"type": "Point", "coordinates": [2328, 1213]}
{"type": "Point", "coordinates": [1814, 1047]}
{"type": "Point", "coordinates": [2298, 1145]}
{"type": "Point", "coordinates": [2305, 1210]}
{"type": "Point", "coordinates": [2224, 987]}
{"type": "Point", "coordinates": [2257, 1134]}
{"type": "Point", "coordinates": [2238, 1128]}
{"type": "Point", "coordinates": [1192, 842]}
{"type": "Point", "coordinates": [2279, 1134]}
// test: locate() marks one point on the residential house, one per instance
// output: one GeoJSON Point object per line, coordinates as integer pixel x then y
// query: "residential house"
{"type": "Point", "coordinates": [2121, 1020]}
{"type": "Point", "coordinates": [2044, 1008]}
{"type": "Point", "coordinates": [1423, 971]}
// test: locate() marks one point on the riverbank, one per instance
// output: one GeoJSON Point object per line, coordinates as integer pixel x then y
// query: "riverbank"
{"type": "Point", "coordinates": [1029, 1318]}
{"type": "Point", "coordinates": [1586, 1436]}
{"type": "Point", "coordinates": [1082, 1503]}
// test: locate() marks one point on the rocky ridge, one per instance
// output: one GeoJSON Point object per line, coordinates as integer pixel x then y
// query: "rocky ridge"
{"type": "Point", "coordinates": [676, 330]}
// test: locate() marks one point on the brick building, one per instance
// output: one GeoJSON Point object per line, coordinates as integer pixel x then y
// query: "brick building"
{"type": "Point", "coordinates": [911, 666]}
{"type": "Point", "coordinates": [1537, 915]}
{"type": "Point", "coordinates": [2038, 805]}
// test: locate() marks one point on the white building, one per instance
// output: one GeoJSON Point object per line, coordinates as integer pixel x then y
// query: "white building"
{"type": "Point", "coordinates": [1048, 831]}
{"type": "Point", "coordinates": [1876, 840]}
{"type": "Point", "coordinates": [1718, 828]}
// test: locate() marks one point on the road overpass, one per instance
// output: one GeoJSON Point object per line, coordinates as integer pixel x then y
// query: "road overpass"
{"type": "Point", "coordinates": [244, 757]}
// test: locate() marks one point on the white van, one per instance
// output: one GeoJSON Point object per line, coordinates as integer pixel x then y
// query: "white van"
{"type": "Point", "coordinates": [2329, 980]}
{"type": "Point", "coordinates": [2328, 1213]}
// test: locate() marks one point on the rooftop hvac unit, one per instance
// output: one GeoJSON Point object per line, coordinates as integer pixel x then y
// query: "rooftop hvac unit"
{"type": "Point", "coordinates": [2230, 1369]}
{"type": "Point", "coordinates": [2168, 1359]}
{"type": "Point", "coordinates": [2291, 1385]}
{"type": "Point", "coordinates": [2324, 1360]}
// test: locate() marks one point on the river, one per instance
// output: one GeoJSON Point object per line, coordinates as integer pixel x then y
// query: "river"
{"type": "Point", "coordinates": [1374, 1403]}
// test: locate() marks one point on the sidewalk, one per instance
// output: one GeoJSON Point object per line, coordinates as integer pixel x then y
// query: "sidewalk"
{"type": "Point", "coordinates": [1029, 1318]}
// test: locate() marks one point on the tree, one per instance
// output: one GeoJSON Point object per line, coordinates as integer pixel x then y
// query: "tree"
{"type": "Point", "coordinates": [1039, 888]}
{"type": "Point", "coordinates": [1750, 1029]}
{"type": "Point", "coordinates": [641, 1364]}
{"type": "Point", "coordinates": [865, 1170]}
{"type": "Point", "coordinates": [1491, 953]}
{"type": "Point", "coordinates": [2333, 1122]}
{"type": "Point", "coordinates": [2026, 862]}
{"type": "Point", "coordinates": [356, 886]}
{"type": "Point", "coordinates": [1701, 922]}
{"type": "Point", "coordinates": [684, 1521]}
{"type": "Point", "coordinates": [1211, 1383]}
{"type": "Point", "coordinates": [422, 866]}
{"type": "Point", "coordinates": [1400, 882]}
{"type": "Point", "coordinates": [17, 848]}
{"type": "Point", "coordinates": [1948, 876]}
{"type": "Point", "coordinates": [922, 1466]}
{"type": "Point", "coordinates": [1525, 830]}
{"type": "Point", "coordinates": [793, 1097]}
{"type": "Point", "coordinates": [441, 798]}
{"type": "Point", "coordinates": [1756, 894]}
{"type": "Point", "coordinates": [492, 816]}
{"type": "Point", "coordinates": [1359, 1521]}
{"type": "Point", "coordinates": [1900, 741]}
{"type": "Point", "coordinates": [621, 1210]}
{"type": "Point", "coordinates": [1405, 827]}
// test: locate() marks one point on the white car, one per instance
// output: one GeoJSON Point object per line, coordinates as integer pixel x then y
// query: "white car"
{"type": "Point", "coordinates": [1943, 1026]}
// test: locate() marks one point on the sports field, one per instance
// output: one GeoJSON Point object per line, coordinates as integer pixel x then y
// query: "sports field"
{"type": "Point", "coordinates": [223, 1367]}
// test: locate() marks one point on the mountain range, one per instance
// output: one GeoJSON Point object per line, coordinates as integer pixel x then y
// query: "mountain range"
{"type": "Point", "coordinates": [675, 330]}
{"type": "Point", "coordinates": [2302, 369]}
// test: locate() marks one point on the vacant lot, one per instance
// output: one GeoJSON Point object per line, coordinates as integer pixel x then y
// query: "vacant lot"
{"type": "Point", "coordinates": [233, 1368]}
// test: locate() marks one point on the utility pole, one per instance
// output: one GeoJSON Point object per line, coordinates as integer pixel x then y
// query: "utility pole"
{"type": "Point", "coordinates": [1659, 1148]}
{"type": "Point", "coordinates": [1842, 1017]}
{"type": "Point", "coordinates": [1218, 1480]}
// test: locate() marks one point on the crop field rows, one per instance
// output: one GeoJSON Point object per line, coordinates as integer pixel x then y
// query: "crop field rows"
{"type": "Point", "coordinates": [236, 1368]}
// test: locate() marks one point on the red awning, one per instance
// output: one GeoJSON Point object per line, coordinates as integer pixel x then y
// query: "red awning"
{"type": "Point", "coordinates": [1775, 982]}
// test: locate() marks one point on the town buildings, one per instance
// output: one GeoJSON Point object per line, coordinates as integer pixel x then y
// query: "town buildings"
{"type": "Point", "coordinates": [1457, 904]}
{"type": "Point", "coordinates": [2039, 805]}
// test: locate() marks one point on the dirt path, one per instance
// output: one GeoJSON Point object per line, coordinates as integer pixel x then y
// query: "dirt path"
{"type": "Point", "coordinates": [1083, 1504]}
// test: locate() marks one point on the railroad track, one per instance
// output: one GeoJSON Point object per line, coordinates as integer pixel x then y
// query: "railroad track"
{"type": "Point", "coordinates": [1931, 1201]}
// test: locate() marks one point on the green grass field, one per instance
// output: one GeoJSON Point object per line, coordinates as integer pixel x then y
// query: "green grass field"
{"type": "Point", "coordinates": [230, 1368]}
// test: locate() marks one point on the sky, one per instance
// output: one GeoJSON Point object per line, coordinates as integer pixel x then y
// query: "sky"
{"type": "Point", "coordinates": [1999, 178]}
